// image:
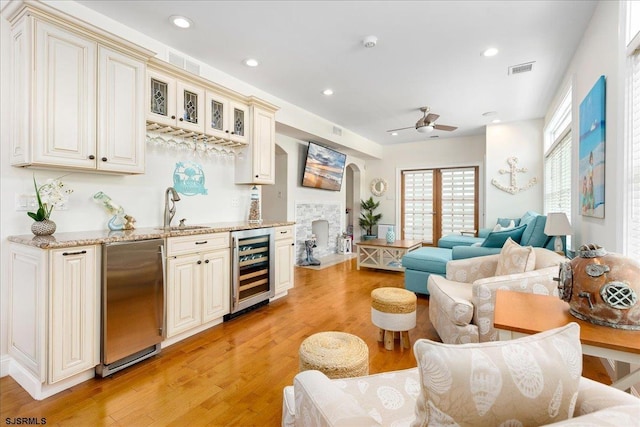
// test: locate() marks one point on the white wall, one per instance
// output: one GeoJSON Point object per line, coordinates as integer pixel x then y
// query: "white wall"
{"type": "Point", "coordinates": [524, 141]}
{"type": "Point", "coordinates": [466, 151]}
{"type": "Point", "coordinates": [600, 53]}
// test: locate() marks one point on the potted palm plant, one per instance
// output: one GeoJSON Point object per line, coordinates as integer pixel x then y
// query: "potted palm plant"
{"type": "Point", "coordinates": [368, 219]}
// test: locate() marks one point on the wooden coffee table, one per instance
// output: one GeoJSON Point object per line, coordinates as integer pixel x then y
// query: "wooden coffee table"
{"type": "Point", "coordinates": [517, 314]}
{"type": "Point", "coordinates": [377, 253]}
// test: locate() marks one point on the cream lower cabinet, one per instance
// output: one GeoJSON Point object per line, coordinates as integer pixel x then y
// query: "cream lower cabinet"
{"type": "Point", "coordinates": [54, 335]}
{"type": "Point", "coordinates": [284, 258]}
{"type": "Point", "coordinates": [198, 281]}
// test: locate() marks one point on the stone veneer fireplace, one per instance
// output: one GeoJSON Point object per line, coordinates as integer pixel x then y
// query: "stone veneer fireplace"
{"type": "Point", "coordinates": [306, 214]}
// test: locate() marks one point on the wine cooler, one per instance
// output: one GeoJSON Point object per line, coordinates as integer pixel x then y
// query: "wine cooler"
{"type": "Point", "coordinates": [252, 269]}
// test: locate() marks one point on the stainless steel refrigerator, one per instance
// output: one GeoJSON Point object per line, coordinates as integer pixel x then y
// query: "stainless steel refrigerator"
{"type": "Point", "coordinates": [132, 303]}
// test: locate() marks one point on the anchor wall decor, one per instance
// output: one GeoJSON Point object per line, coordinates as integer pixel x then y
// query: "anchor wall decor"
{"type": "Point", "coordinates": [513, 169]}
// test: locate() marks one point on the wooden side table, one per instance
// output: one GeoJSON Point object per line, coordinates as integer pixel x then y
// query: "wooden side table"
{"type": "Point", "coordinates": [517, 314]}
{"type": "Point", "coordinates": [379, 254]}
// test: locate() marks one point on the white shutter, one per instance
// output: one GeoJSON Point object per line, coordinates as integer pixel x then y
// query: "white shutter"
{"type": "Point", "coordinates": [557, 178]}
{"type": "Point", "coordinates": [633, 216]}
{"type": "Point", "coordinates": [418, 205]}
{"type": "Point", "coordinates": [458, 200]}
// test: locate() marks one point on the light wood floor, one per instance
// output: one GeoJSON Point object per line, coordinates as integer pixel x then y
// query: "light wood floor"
{"type": "Point", "coordinates": [233, 374]}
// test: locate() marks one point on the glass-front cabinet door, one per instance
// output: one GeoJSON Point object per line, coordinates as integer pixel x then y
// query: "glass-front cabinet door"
{"type": "Point", "coordinates": [161, 98]}
{"type": "Point", "coordinates": [216, 112]}
{"type": "Point", "coordinates": [190, 106]}
{"type": "Point", "coordinates": [225, 119]}
{"type": "Point", "coordinates": [240, 116]}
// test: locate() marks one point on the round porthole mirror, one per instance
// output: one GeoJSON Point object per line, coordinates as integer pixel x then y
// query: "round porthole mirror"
{"type": "Point", "coordinates": [378, 186]}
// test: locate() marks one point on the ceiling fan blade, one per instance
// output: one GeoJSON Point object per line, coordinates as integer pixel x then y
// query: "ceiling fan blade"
{"type": "Point", "coordinates": [431, 118]}
{"type": "Point", "coordinates": [444, 127]}
{"type": "Point", "coordinates": [393, 130]}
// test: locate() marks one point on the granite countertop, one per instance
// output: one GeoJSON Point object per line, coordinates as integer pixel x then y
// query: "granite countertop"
{"type": "Point", "coordinates": [98, 237]}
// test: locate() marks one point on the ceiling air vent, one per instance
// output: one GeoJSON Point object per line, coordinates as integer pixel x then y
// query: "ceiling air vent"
{"type": "Point", "coordinates": [521, 68]}
{"type": "Point", "coordinates": [337, 131]}
{"type": "Point", "coordinates": [184, 63]}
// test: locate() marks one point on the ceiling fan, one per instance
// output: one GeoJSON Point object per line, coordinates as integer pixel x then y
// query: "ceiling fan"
{"type": "Point", "coordinates": [426, 124]}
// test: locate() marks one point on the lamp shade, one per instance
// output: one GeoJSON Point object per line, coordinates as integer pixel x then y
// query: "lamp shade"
{"type": "Point", "coordinates": [425, 129]}
{"type": "Point", "coordinates": [557, 224]}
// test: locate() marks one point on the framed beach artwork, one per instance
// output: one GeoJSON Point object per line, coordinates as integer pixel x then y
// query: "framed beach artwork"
{"type": "Point", "coordinates": [591, 151]}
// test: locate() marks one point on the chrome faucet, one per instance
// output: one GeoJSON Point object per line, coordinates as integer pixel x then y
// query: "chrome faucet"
{"type": "Point", "coordinates": [171, 196]}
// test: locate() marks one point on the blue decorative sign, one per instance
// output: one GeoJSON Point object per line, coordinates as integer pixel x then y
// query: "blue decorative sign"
{"type": "Point", "coordinates": [188, 179]}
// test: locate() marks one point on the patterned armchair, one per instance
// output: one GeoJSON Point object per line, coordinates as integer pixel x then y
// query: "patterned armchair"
{"type": "Point", "coordinates": [461, 305]}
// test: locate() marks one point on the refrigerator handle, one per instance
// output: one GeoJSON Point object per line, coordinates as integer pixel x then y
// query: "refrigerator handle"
{"type": "Point", "coordinates": [163, 292]}
{"type": "Point", "coordinates": [235, 266]}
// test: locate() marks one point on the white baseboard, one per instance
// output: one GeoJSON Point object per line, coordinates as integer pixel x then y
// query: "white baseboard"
{"type": "Point", "coordinates": [5, 362]}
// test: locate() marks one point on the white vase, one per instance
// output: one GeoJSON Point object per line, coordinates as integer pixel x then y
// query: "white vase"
{"type": "Point", "coordinates": [43, 228]}
{"type": "Point", "coordinates": [391, 235]}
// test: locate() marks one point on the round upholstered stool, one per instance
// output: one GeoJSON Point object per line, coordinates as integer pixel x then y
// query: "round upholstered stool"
{"type": "Point", "coordinates": [393, 310]}
{"type": "Point", "coordinates": [336, 354]}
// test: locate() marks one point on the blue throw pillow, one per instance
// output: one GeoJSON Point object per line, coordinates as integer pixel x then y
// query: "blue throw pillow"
{"type": "Point", "coordinates": [496, 239]}
{"type": "Point", "coordinates": [504, 222]}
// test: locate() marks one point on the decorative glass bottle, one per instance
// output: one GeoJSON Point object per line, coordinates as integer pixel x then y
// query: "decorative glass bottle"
{"type": "Point", "coordinates": [391, 235]}
{"type": "Point", "coordinates": [255, 208]}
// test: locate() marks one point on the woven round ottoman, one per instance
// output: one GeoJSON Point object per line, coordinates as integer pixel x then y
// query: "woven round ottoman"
{"type": "Point", "coordinates": [336, 354]}
{"type": "Point", "coordinates": [393, 310]}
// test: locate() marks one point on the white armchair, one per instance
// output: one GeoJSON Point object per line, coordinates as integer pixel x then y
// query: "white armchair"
{"type": "Point", "coordinates": [461, 305]}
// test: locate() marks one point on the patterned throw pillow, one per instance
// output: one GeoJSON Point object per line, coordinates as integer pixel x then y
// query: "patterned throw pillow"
{"type": "Point", "coordinates": [526, 381]}
{"type": "Point", "coordinates": [515, 259]}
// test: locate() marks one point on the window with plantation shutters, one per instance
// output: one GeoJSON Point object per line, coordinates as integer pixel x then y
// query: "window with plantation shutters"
{"type": "Point", "coordinates": [557, 177]}
{"type": "Point", "coordinates": [418, 209]}
{"type": "Point", "coordinates": [458, 197]}
{"type": "Point", "coordinates": [558, 180]}
{"type": "Point", "coordinates": [436, 202]}
{"type": "Point", "coordinates": [632, 235]}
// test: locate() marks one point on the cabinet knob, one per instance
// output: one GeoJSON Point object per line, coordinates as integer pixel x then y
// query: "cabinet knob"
{"type": "Point", "coordinates": [293, 244]}
{"type": "Point", "coordinates": [256, 176]}
{"type": "Point", "coordinates": [199, 262]}
{"type": "Point", "coordinates": [174, 117]}
{"type": "Point", "coordinates": [206, 261]}
{"type": "Point", "coordinates": [104, 159]}
{"type": "Point", "coordinates": [92, 157]}
{"type": "Point", "coordinates": [181, 119]}
{"type": "Point", "coordinates": [226, 131]}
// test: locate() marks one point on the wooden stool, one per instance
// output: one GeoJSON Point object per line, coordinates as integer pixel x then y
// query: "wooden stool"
{"type": "Point", "coordinates": [393, 310]}
{"type": "Point", "coordinates": [336, 354]}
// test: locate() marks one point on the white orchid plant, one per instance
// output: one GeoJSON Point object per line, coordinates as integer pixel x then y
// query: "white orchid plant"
{"type": "Point", "coordinates": [52, 194]}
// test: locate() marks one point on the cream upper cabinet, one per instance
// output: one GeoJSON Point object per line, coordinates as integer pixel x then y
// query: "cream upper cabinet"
{"type": "Point", "coordinates": [226, 119]}
{"type": "Point", "coordinates": [121, 127]}
{"type": "Point", "coordinates": [174, 102]}
{"type": "Point", "coordinates": [54, 332]}
{"type": "Point", "coordinates": [77, 102]}
{"type": "Point", "coordinates": [257, 166]}
{"type": "Point", "coordinates": [64, 109]}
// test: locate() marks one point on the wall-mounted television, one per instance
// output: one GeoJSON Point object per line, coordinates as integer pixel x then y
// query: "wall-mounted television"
{"type": "Point", "coordinates": [323, 168]}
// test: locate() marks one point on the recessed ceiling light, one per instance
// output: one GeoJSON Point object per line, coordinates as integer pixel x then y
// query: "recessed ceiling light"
{"type": "Point", "coordinates": [492, 51]}
{"type": "Point", "coordinates": [370, 41]}
{"type": "Point", "coordinates": [180, 21]}
{"type": "Point", "coordinates": [495, 121]}
{"type": "Point", "coordinates": [250, 62]}
{"type": "Point", "coordinates": [394, 133]}
{"type": "Point", "coordinates": [327, 92]}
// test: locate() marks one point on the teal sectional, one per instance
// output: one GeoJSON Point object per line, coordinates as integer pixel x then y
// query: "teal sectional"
{"type": "Point", "coordinates": [421, 263]}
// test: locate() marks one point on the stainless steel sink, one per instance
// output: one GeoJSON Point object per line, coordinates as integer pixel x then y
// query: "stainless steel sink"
{"type": "Point", "coordinates": [181, 228]}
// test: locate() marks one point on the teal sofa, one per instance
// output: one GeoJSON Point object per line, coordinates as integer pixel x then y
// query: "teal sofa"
{"type": "Point", "coordinates": [421, 263]}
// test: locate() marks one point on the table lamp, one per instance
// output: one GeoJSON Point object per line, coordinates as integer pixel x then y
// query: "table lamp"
{"type": "Point", "coordinates": [557, 225]}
